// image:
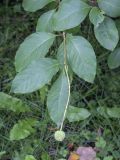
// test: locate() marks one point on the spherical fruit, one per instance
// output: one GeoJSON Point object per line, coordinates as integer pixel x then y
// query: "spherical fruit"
{"type": "Point", "coordinates": [59, 136]}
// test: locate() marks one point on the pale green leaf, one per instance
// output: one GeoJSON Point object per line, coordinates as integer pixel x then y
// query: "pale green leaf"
{"type": "Point", "coordinates": [108, 158]}
{"type": "Point", "coordinates": [77, 114]}
{"type": "Point", "coordinates": [110, 7]}
{"type": "Point", "coordinates": [11, 103]}
{"type": "Point", "coordinates": [114, 59]}
{"type": "Point", "coordinates": [96, 16]}
{"type": "Point", "coordinates": [33, 48]}
{"type": "Point", "coordinates": [23, 129]}
{"type": "Point", "coordinates": [57, 98]}
{"type": "Point", "coordinates": [30, 157]}
{"type": "Point", "coordinates": [34, 5]}
{"type": "Point", "coordinates": [35, 76]}
{"type": "Point", "coordinates": [70, 14]}
{"type": "Point", "coordinates": [107, 34]}
{"type": "Point", "coordinates": [45, 22]}
{"type": "Point", "coordinates": [114, 112]}
{"type": "Point", "coordinates": [81, 57]}
{"type": "Point", "coordinates": [101, 143]}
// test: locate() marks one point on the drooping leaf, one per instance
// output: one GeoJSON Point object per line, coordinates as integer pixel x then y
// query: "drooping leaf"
{"type": "Point", "coordinates": [114, 59]}
{"type": "Point", "coordinates": [45, 22]}
{"type": "Point", "coordinates": [11, 103]}
{"type": "Point", "coordinates": [70, 14]}
{"type": "Point", "coordinates": [77, 114]}
{"type": "Point", "coordinates": [30, 157]}
{"type": "Point", "coordinates": [96, 16]}
{"type": "Point", "coordinates": [107, 34]}
{"type": "Point", "coordinates": [34, 5]}
{"type": "Point", "coordinates": [81, 57]}
{"type": "Point", "coordinates": [23, 129]}
{"type": "Point", "coordinates": [35, 76]}
{"type": "Point", "coordinates": [114, 112]}
{"type": "Point", "coordinates": [57, 99]}
{"type": "Point", "coordinates": [33, 48]}
{"type": "Point", "coordinates": [110, 7]}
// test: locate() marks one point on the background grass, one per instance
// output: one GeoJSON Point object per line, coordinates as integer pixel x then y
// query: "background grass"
{"type": "Point", "coordinates": [15, 25]}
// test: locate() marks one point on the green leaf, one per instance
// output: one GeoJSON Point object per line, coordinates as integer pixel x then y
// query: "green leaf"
{"type": "Point", "coordinates": [33, 48]}
{"type": "Point", "coordinates": [57, 99]}
{"type": "Point", "coordinates": [35, 76]}
{"type": "Point", "coordinates": [107, 34]}
{"type": "Point", "coordinates": [96, 16]}
{"type": "Point", "coordinates": [110, 7]}
{"type": "Point", "coordinates": [70, 14]}
{"type": "Point", "coordinates": [45, 22]}
{"type": "Point", "coordinates": [23, 129]}
{"type": "Point", "coordinates": [77, 114]}
{"type": "Point", "coordinates": [101, 143]}
{"type": "Point", "coordinates": [29, 157]}
{"type": "Point", "coordinates": [108, 158]}
{"type": "Point", "coordinates": [34, 5]}
{"type": "Point", "coordinates": [45, 156]}
{"type": "Point", "coordinates": [114, 112]}
{"type": "Point", "coordinates": [114, 59]}
{"type": "Point", "coordinates": [102, 111]}
{"type": "Point", "coordinates": [14, 104]}
{"type": "Point", "coordinates": [81, 57]}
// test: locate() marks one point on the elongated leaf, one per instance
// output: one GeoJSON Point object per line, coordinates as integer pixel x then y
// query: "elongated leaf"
{"type": "Point", "coordinates": [34, 5]}
{"type": "Point", "coordinates": [107, 34]}
{"type": "Point", "coordinates": [114, 59]}
{"type": "Point", "coordinates": [96, 16]}
{"type": "Point", "coordinates": [30, 157]}
{"type": "Point", "coordinates": [57, 99]}
{"type": "Point", "coordinates": [10, 103]}
{"type": "Point", "coordinates": [110, 7]}
{"type": "Point", "coordinates": [22, 129]}
{"type": "Point", "coordinates": [35, 76]}
{"type": "Point", "coordinates": [114, 112]}
{"type": "Point", "coordinates": [45, 22]}
{"type": "Point", "coordinates": [81, 57]}
{"type": "Point", "coordinates": [70, 14]}
{"type": "Point", "coordinates": [77, 114]}
{"type": "Point", "coordinates": [33, 48]}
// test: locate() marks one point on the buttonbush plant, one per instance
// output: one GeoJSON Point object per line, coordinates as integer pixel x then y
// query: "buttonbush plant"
{"type": "Point", "coordinates": [37, 66]}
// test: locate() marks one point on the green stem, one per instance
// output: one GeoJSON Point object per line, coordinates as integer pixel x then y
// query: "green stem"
{"type": "Point", "coordinates": [66, 72]}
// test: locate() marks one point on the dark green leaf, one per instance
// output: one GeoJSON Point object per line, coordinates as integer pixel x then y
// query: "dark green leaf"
{"type": "Point", "coordinates": [34, 5]}
{"type": "Point", "coordinates": [110, 7]}
{"type": "Point", "coordinates": [35, 76]}
{"type": "Point", "coordinates": [45, 22]}
{"type": "Point", "coordinates": [70, 14]}
{"type": "Point", "coordinates": [114, 59]}
{"type": "Point", "coordinates": [107, 34]}
{"type": "Point", "coordinates": [77, 114]}
{"type": "Point", "coordinates": [33, 48]}
{"type": "Point", "coordinates": [57, 98]}
{"type": "Point", "coordinates": [81, 57]}
{"type": "Point", "coordinates": [96, 16]}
